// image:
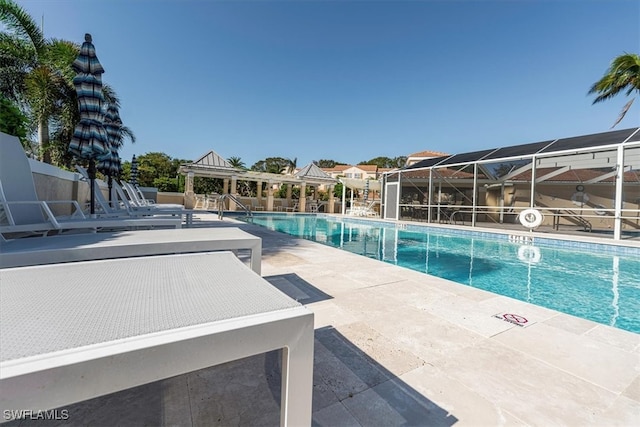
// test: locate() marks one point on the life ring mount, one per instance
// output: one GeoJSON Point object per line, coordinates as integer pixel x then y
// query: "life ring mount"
{"type": "Point", "coordinates": [530, 218]}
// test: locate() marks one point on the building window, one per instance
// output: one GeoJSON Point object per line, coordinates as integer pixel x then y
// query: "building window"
{"type": "Point", "coordinates": [357, 175]}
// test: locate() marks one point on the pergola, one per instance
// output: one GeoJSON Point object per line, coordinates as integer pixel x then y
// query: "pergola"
{"type": "Point", "coordinates": [583, 180]}
{"type": "Point", "coordinates": [370, 185]}
{"type": "Point", "coordinates": [212, 165]}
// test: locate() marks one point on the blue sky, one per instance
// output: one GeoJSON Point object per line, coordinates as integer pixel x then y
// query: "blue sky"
{"type": "Point", "coordinates": [351, 80]}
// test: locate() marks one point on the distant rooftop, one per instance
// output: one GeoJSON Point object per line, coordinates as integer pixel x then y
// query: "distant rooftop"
{"type": "Point", "coordinates": [314, 172]}
{"type": "Point", "coordinates": [214, 160]}
{"type": "Point", "coordinates": [428, 154]}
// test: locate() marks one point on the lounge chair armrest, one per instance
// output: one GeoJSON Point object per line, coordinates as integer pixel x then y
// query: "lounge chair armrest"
{"type": "Point", "coordinates": [46, 209]}
{"type": "Point", "coordinates": [77, 212]}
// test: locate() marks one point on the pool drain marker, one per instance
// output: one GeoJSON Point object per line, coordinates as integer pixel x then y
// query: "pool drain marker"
{"type": "Point", "coordinates": [514, 319]}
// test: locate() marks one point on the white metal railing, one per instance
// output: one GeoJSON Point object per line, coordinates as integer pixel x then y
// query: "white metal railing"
{"type": "Point", "coordinates": [221, 200]}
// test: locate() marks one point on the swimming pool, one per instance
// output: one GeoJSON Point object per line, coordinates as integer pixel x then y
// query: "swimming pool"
{"type": "Point", "coordinates": [599, 286]}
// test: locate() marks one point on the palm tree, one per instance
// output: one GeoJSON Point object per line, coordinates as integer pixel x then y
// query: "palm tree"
{"type": "Point", "coordinates": [52, 101]}
{"type": "Point", "coordinates": [623, 75]}
{"type": "Point", "coordinates": [36, 74]}
{"type": "Point", "coordinates": [31, 71]}
{"type": "Point", "coordinates": [291, 166]}
{"type": "Point", "coordinates": [236, 162]}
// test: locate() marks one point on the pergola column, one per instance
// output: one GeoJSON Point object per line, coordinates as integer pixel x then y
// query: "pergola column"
{"type": "Point", "coordinates": [289, 188]}
{"type": "Point", "coordinates": [233, 191]}
{"type": "Point", "coordinates": [270, 192]}
{"type": "Point", "coordinates": [225, 190]}
{"type": "Point", "coordinates": [302, 204]}
{"type": "Point", "coordinates": [331, 201]}
{"type": "Point", "coordinates": [189, 195]}
{"type": "Point", "coordinates": [259, 192]}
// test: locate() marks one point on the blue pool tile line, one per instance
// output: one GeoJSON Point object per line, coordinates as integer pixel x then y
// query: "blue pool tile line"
{"type": "Point", "coordinates": [589, 246]}
{"type": "Point", "coordinates": [607, 248]}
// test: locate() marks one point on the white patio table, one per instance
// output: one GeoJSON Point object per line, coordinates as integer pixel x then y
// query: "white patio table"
{"type": "Point", "coordinates": [74, 331]}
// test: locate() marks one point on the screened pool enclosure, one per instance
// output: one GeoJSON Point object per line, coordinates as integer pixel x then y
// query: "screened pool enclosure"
{"type": "Point", "coordinates": [589, 183]}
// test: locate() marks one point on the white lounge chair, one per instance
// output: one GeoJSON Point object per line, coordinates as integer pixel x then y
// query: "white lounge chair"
{"type": "Point", "coordinates": [136, 198]}
{"type": "Point", "coordinates": [255, 206]}
{"type": "Point", "coordinates": [121, 206]}
{"type": "Point", "coordinates": [123, 244]}
{"type": "Point", "coordinates": [362, 209]}
{"type": "Point", "coordinates": [23, 212]}
{"type": "Point", "coordinates": [73, 332]}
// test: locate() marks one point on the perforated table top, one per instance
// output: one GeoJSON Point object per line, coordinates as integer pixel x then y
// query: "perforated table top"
{"type": "Point", "coordinates": [50, 308]}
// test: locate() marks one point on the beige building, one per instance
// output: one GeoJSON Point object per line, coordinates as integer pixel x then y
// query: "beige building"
{"type": "Point", "coordinates": [423, 155]}
{"type": "Point", "coordinates": [356, 172]}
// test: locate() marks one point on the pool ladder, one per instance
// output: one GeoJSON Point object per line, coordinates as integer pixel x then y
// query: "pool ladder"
{"type": "Point", "coordinates": [221, 200]}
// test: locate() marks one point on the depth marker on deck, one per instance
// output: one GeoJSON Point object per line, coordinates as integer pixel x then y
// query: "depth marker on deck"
{"type": "Point", "coordinates": [514, 319]}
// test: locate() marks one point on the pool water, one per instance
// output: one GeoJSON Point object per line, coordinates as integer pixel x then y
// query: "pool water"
{"type": "Point", "coordinates": [601, 287]}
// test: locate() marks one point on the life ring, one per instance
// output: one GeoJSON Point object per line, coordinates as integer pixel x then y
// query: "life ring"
{"type": "Point", "coordinates": [580, 198]}
{"type": "Point", "coordinates": [529, 254]}
{"type": "Point", "coordinates": [530, 218]}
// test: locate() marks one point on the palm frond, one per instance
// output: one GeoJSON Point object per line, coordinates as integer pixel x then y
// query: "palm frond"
{"type": "Point", "coordinates": [623, 74]}
{"type": "Point", "coordinates": [623, 112]}
{"type": "Point", "coordinates": [60, 54]}
{"type": "Point", "coordinates": [21, 23]}
{"type": "Point", "coordinates": [110, 95]}
{"type": "Point", "coordinates": [127, 132]}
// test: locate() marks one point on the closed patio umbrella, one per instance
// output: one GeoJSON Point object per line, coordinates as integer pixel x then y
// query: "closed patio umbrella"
{"type": "Point", "coordinates": [112, 165]}
{"type": "Point", "coordinates": [134, 171]}
{"type": "Point", "coordinates": [89, 139]}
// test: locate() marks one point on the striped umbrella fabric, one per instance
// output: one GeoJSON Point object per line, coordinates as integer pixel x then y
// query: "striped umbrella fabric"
{"type": "Point", "coordinates": [134, 171]}
{"type": "Point", "coordinates": [112, 168]}
{"type": "Point", "coordinates": [89, 139]}
{"type": "Point", "coordinates": [111, 165]}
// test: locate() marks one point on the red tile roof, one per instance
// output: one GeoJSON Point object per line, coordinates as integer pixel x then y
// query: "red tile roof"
{"type": "Point", "coordinates": [428, 154]}
{"type": "Point", "coordinates": [336, 168]}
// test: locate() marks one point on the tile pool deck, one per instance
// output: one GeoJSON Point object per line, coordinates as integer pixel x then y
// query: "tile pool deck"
{"type": "Point", "coordinates": [398, 347]}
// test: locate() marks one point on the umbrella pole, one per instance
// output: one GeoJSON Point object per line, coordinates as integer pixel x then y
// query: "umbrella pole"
{"type": "Point", "coordinates": [92, 178]}
{"type": "Point", "coordinates": [110, 181]}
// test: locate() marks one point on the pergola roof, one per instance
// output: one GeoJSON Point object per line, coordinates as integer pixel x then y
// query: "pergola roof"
{"type": "Point", "coordinates": [361, 184]}
{"type": "Point", "coordinates": [214, 160]}
{"type": "Point", "coordinates": [313, 172]}
{"type": "Point", "coordinates": [213, 165]}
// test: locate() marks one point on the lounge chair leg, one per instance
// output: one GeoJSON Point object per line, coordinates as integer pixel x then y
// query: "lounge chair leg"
{"type": "Point", "coordinates": [297, 380]}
